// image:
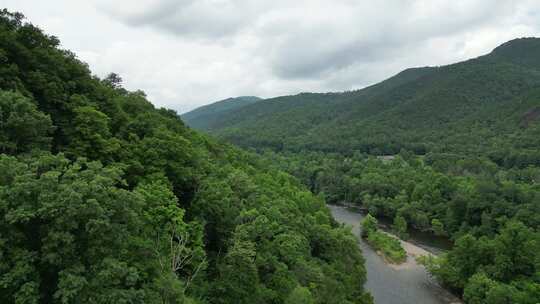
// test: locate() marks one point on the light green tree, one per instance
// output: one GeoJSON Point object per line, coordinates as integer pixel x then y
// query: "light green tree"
{"type": "Point", "coordinates": [400, 227]}
{"type": "Point", "coordinates": [369, 225]}
{"type": "Point", "coordinates": [300, 295]}
{"type": "Point", "coordinates": [477, 289]}
{"type": "Point", "coordinates": [438, 227]}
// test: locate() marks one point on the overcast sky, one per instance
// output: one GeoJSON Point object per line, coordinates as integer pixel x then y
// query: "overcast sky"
{"type": "Point", "coordinates": [187, 53]}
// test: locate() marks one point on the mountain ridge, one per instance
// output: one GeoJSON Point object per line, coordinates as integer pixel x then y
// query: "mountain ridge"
{"type": "Point", "coordinates": [410, 110]}
{"type": "Point", "coordinates": [202, 117]}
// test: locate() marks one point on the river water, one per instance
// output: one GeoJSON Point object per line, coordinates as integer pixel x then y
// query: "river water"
{"type": "Point", "coordinates": [391, 285]}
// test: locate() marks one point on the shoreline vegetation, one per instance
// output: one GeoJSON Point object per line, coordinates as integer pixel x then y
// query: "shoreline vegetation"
{"type": "Point", "coordinates": [386, 245]}
{"type": "Point", "coordinates": [489, 213]}
{"type": "Point", "coordinates": [400, 254]}
{"type": "Point", "coordinates": [409, 272]}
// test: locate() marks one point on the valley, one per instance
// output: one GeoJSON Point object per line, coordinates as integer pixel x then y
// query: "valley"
{"type": "Point", "coordinates": [107, 196]}
{"type": "Point", "coordinates": [465, 145]}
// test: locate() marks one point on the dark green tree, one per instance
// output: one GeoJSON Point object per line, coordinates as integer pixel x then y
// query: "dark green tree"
{"type": "Point", "coordinates": [239, 281]}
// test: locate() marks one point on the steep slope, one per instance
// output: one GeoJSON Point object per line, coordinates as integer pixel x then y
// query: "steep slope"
{"type": "Point", "coordinates": [204, 117]}
{"type": "Point", "coordinates": [106, 199]}
{"type": "Point", "coordinates": [427, 109]}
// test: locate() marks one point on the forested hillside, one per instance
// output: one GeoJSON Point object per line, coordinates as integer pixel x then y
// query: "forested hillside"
{"type": "Point", "coordinates": [106, 199]}
{"type": "Point", "coordinates": [485, 105]}
{"type": "Point", "coordinates": [466, 141]}
{"type": "Point", "coordinates": [204, 117]}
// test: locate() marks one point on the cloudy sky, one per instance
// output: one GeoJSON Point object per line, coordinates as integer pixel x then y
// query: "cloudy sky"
{"type": "Point", "coordinates": [187, 53]}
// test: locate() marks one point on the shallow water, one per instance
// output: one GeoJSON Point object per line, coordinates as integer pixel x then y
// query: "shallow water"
{"type": "Point", "coordinates": [387, 284]}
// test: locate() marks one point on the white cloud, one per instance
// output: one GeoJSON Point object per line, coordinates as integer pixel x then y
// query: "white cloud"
{"type": "Point", "coordinates": [191, 52]}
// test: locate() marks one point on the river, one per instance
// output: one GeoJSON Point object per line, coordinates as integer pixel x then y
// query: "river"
{"type": "Point", "coordinates": [405, 284]}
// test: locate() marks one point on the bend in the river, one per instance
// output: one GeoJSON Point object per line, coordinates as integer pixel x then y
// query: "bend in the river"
{"type": "Point", "coordinates": [407, 284]}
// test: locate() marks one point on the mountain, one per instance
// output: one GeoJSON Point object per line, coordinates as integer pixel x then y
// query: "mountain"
{"type": "Point", "coordinates": [481, 105]}
{"type": "Point", "coordinates": [203, 118]}
{"type": "Point", "coordinates": [465, 146]}
{"type": "Point", "coordinates": [106, 199]}
{"type": "Point", "coordinates": [464, 141]}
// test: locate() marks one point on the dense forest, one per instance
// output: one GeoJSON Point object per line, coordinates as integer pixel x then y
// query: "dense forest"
{"type": "Point", "coordinates": [492, 214]}
{"type": "Point", "coordinates": [106, 199]}
{"type": "Point", "coordinates": [484, 106]}
{"type": "Point", "coordinates": [452, 150]}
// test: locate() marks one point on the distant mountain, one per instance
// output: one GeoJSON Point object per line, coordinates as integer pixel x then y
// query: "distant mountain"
{"type": "Point", "coordinates": [203, 117]}
{"type": "Point", "coordinates": [477, 106]}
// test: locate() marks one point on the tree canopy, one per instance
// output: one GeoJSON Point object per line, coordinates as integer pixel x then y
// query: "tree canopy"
{"type": "Point", "coordinates": [451, 150]}
{"type": "Point", "coordinates": [106, 199]}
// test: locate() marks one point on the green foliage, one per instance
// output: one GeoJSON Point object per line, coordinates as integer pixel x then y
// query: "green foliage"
{"type": "Point", "coordinates": [483, 290]}
{"type": "Point", "coordinates": [478, 204]}
{"type": "Point", "coordinates": [468, 166]}
{"type": "Point", "coordinates": [300, 295]}
{"type": "Point", "coordinates": [22, 127]}
{"type": "Point", "coordinates": [492, 270]}
{"type": "Point", "coordinates": [400, 227]}
{"type": "Point", "coordinates": [516, 252]}
{"type": "Point", "coordinates": [105, 199]}
{"type": "Point", "coordinates": [239, 280]}
{"type": "Point", "coordinates": [388, 246]}
{"type": "Point", "coordinates": [90, 134]}
{"type": "Point", "coordinates": [71, 233]}
{"type": "Point", "coordinates": [369, 225]}
{"type": "Point", "coordinates": [478, 288]}
{"type": "Point", "coordinates": [438, 227]}
{"type": "Point", "coordinates": [473, 131]}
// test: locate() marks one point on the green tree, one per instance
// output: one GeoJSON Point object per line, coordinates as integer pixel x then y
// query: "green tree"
{"type": "Point", "coordinates": [72, 226]}
{"type": "Point", "coordinates": [478, 288]}
{"type": "Point", "coordinates": [300, 295]}
{"type": "Point", "coordinates": [22, 126]}
{"type": "Point", "coordinates": [90, 134]}
{"type": "Point", "coordinates": [369, 225]}
{"type": "Point", "coordinates": [517, 250]}
{"type": "Point", "coordinates": [400, 227]}
{"type": "Point", "coordinates": [176, 245]}
{"type": "Point", "coordinates": [239, 280]}
{"type": "Point", "coordinates": [438, 227]}
{"type": "Point", "coordinates": [143, 209]}
{"type": "Point", "coordinates": [507, 294]}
